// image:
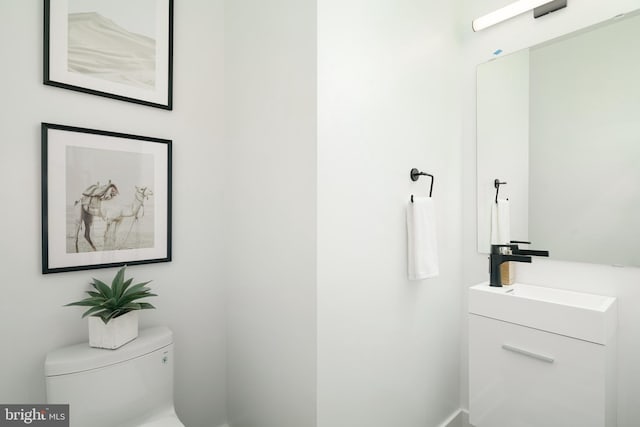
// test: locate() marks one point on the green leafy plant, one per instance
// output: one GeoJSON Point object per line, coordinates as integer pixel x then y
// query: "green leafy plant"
{"type": "Point", "coordinates": [109, 302]}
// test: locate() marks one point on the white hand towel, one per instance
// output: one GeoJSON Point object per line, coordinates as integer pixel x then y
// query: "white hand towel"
{"type": "Point", "coordinates": [422, 243]}
{"type": "Point", "coordinates": [500, 222]}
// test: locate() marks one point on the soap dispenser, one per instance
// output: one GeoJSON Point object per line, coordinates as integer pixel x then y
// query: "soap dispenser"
{"type": "Point", "coordinates": [507, 270]}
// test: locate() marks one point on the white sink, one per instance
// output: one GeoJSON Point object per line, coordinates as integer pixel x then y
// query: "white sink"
{"type": "Point", "coordinates": [579, 315]}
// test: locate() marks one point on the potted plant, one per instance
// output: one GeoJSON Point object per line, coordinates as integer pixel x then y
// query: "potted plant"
{"type": "Point", "coordinates": [113, 312]}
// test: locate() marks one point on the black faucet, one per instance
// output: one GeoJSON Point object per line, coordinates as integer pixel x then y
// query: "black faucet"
{"type": "Point", "coordinates": [517, 255]}
{"type": "Point", "coordinates": [517, 251]}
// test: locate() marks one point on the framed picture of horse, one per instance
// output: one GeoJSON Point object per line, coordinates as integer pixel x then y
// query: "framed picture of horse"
{"type": "Point", "coordinates": [106, 199]}
{"type": "Point", "coordinates": [121, 49]}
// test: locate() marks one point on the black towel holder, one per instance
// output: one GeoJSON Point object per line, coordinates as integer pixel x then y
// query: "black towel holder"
{"type": "Point", "coordinates": [415, 174]}
{"type": "Point", "coordinates": [497, 184]}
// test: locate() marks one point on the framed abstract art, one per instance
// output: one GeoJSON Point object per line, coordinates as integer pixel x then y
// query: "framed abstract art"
{"type": "Point", "coordinates": [121, 49]}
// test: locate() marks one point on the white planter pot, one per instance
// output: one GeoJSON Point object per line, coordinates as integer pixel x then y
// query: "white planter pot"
{"type": "Point", "coordinates": [114, 334]}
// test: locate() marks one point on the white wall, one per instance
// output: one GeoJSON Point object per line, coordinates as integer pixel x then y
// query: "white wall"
{"type": "Point", "coordinates": [510, 36]}
{"type": "Point", "coordinates": [270, 249]}
{"type": "Point", "coordinates": [32, 319]}
{"type": "Point", "coordinates": [388, 101]}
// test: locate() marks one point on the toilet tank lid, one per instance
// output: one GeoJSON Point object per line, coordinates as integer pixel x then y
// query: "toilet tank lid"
{"type": "Point", "coordinates": [81, 357]}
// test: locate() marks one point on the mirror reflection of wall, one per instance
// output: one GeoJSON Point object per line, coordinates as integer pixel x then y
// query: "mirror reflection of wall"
{"type": "Point", "coordinates": [503, 142]}
{"type": "Point", "coordinates": [560, 122]}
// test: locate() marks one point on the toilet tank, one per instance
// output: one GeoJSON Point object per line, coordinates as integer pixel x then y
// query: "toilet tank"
{"type": "Point", "coordinates": [106, 388]}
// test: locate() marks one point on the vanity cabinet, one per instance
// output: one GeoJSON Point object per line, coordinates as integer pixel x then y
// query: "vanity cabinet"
{"type": "Point", "coordinates": [524, 373]}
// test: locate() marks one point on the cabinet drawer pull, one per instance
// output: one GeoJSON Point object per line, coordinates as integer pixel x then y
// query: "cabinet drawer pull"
{"type": "Point", "coordinates": [528, 353]}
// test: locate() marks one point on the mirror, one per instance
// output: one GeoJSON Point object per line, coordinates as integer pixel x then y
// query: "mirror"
{"type": "Point", "coordinates": [560, 123]}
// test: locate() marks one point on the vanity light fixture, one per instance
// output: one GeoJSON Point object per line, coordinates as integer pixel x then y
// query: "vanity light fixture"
{"type": "Point", "coordinates": [540, 8]}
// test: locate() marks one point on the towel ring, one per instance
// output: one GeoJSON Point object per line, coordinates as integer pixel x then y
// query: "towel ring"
{"type": "Point", "coordinates": [497, 184]}
{"type": "Point", "coordinates": [415, 175]}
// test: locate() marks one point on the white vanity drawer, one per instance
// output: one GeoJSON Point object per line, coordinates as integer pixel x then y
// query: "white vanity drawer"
{"type": "Point", "coordinates": [524, 377]}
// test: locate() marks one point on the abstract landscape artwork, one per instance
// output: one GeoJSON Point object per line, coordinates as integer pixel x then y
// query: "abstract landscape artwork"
{"type": "Point", "coordinates": [120, 49]}
{"type": "Point", "coordinates": [106, 199]}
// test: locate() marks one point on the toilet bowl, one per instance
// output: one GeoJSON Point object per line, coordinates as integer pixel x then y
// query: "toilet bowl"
{"type": "Point", "coordinates": [131, 386]}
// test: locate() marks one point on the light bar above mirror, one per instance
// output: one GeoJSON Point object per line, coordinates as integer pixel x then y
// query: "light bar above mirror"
{"type": "Point", "coordinates": [539, 7]}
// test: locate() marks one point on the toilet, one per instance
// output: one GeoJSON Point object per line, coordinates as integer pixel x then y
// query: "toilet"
{"type": "Point", "coordinates": [131, 386]}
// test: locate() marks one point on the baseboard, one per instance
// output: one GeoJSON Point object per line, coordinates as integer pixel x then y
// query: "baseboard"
{"type": "Point", "coordinates": [459, 418]}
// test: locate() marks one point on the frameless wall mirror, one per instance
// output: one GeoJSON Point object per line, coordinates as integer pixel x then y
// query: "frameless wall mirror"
{"type": "Point", "coordinates": [560, 123]}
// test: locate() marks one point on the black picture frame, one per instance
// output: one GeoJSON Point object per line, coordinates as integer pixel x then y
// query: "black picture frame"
{"type": "Point", "coordinates": [118, 51]}
{"type": "Point", "coordinates": [115, 185]}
